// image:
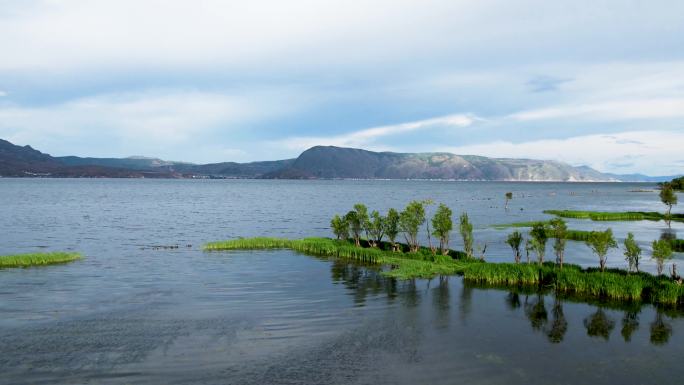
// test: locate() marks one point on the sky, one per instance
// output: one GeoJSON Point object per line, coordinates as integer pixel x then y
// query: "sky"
{"type": "Point", "coordinates": [597, 83]}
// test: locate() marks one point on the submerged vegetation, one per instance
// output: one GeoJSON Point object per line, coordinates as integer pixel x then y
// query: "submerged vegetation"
{"type": "Point", "coordinates": [37, 259]}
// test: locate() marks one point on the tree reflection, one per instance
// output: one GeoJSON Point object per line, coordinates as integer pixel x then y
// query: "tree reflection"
{"type": "Point", "coordinates": [599, 324]}
{"type": "Point", "coordinates": [660, 330]}
{"type": "Point", "coordinates": [630, 323]}
{"type": "Point", "coordinates": [536, 312]}
{"type": "Point", "coordinates": [513, 300]}
{"type": "Point", "coordinates": [559, 325]}
{"type": "Point", "coordinates": [465, 305]}
{"type": "Point", "coordinates": [441, 300]}
{"type": "Point", "coordinates": [668, 234]}
{"type": "Point", "coordinates": [362, 281]}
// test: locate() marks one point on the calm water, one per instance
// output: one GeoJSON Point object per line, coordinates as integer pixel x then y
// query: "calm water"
{"type": "Point", "coordinates": [132, 313]}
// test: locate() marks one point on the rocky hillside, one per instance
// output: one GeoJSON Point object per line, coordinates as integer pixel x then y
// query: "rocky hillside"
{"type": "Point", "coordinates": [336, 162]}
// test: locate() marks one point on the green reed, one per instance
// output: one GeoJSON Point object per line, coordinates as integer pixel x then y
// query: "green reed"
{"type": "Point", "coordinates": [37, 259]}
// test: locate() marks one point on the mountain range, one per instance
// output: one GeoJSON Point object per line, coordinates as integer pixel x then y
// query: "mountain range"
{"type": "Point", "coordinates": [319, 162]}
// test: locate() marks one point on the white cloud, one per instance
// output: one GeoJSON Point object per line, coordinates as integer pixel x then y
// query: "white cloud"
{"type": "Point", "coordinates": [652, 152]}
{"type": "Point", "coordinates": [610, 110]}
{"type": "Point", "coordinates": [3, 93]}
{"type": "Point", "coordinates": [159, 123]}
{"type": "Point", "coordinates": [366, 138]}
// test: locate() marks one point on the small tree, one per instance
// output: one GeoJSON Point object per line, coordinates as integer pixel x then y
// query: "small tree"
{"type": "Point", "coordinates": [509, 196]}
{"type": "Point", "coordinates": [669, 198]}
{"type": "Point", "coordinates": [661, 251]}
{"type": "Point", "coordinates": [362, 215]}
{"type": "Point", "coordinates": [466, 230]}
{"type": "Point", "coordinates": [410, 221]}
{"type": "Point", "coordinates": [529, 247]}
{"type": "Point", "coordinates": [632, 252]}
{"type": "Point", "coordinates": [376, 228]}
{"type": "Point", "coordinates": [514, 241]}
{"type": "Point", "coordinates": [340, 227]}
{"type": "Point", "coordinates": [358, 221]}
{"type": "Point", "coordinates": [539, 238]}
{"type": "Point", "coordinates": [600, 242]}
{"type": "Point", "coordinates": [442, 226]}
{"type": "Point", "coordinates": [392, 227]}
{"type": "Point", "coordinates": [560, 232]}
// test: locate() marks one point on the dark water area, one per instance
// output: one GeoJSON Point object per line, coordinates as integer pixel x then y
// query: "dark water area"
{"type": "Point", "coordinates": [134, 312]}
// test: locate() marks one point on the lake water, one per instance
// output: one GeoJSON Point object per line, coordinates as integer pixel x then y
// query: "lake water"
{"type": "Point", "coordinates": [134, 313]}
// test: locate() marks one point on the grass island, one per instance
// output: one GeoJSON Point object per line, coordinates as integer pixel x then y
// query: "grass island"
{"type": "Point", "coordinates": [412, 260]}
{"type": "Point", "coordinates": [612, 284]}
{"type": "Point", "coordinates": [37, 259]}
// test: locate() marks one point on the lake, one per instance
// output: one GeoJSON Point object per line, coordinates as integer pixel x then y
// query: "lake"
{"type": "Point", "coordinates": [137, 312]}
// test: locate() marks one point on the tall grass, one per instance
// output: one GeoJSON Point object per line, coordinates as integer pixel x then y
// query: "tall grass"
{"type": "Point", "coordinates": [37, 259]}
{"type": "Point", "coordinates": [613, 284]}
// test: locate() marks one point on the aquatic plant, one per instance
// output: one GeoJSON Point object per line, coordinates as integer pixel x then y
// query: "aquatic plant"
{"type": "Point", "coordinates": [37, 259]}
{"type": "Point", "coordinates": [632, 252]}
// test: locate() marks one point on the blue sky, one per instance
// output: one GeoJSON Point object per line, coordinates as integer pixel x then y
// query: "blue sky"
{"type": "Point", "coordinates": [597, 83]}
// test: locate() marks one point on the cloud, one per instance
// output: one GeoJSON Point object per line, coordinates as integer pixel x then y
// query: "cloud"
{"type": "Point", "coordinates": [647, 151]}
{"type": "Point", "coordinates": [546, 83]}
{"type": "Point", "coordinates": [366, 138]}
{"type": "Point", "coordinates": [3, 93]}
{"type": "Point", "coordinates": [155, 122]}
{"type": "Point", "coordinates": [610, 110]}
{"type": "Point", "coordinates": [73, 35]}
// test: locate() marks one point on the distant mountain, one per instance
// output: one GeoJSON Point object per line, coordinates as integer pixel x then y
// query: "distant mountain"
{"type": "Point", "coordinates": [336, 162]}
{"type": "Point", "coordinates": [643, 178]}
{"type": "Point", "coordinates": [133, 162]}
{"type": "Point", "coordinates": [230, 169]}
{"type": "Point", "coordinates": [18, 161]}
{"type": "Point", "coordinates": [318, 162]}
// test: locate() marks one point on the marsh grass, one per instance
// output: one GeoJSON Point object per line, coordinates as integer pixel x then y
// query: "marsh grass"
{"type": "Point", "coordinates": [613, 216]}
{"type": "Point", "coordinates": [612, 284]}
{"type": "Point", "coordinates": [37, 259]}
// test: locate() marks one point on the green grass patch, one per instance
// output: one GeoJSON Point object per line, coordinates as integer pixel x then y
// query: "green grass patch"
{"type": "Point", "coordinates": [614, 216]}
{"type": "Point", "coordinates": [517, 224]}
{"type": "Point", "coordinates": [613, 284]}
{"type": "Point", "coordinates": [37, 259]}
